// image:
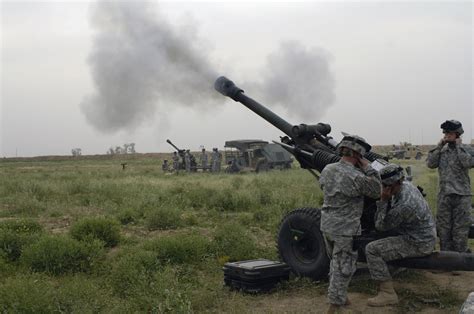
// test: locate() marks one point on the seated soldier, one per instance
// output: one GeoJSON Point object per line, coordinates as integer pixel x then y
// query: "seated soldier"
{"type": "Point", "coordinates": [403, 208]}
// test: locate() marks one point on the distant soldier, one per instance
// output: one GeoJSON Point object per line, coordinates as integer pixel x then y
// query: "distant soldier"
{"type": "Point", "coordinates": [165, 166]}
{"type": "Point", "coordinates": [204, 159]}
{"type": "Point", "coordinates": [454, 198]}
{"type": "Point", "coordinates": [187, 160]}
{"type": "Point", "coordinates": [345, 184]}
{"type": "Point", "coordinates": [215, 160]}
{"type": "Point", "coordinates": [175, 162]}
{"type": "Point", "coordinates": [402, 208]}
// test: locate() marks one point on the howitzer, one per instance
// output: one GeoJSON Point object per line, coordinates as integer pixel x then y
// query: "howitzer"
{"type": "Point", "coordinates": [300, 242]}
{"type": "Point", "coordinates": [180, 151]}
{"type": "Point", "coordinates": [182, 154]}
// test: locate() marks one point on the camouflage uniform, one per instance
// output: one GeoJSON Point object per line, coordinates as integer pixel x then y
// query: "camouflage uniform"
{"type": "Point", "coordinates": [204, 160]}
{"type": "Point", "coordinates": [454, 198]}
{"type": "Point", "coordinates": [410, 215]}
{"type": "Point", "coordinates": [215, 164]}
{"type": "Point", "coordinates": [187, 161]}
{"type": "Point", "coordinates": [344, 188]}
{"type": "Point", "coordinates": [175, 161]}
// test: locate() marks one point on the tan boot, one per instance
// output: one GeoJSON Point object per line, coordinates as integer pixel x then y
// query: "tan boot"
{"type": "Point", "coordinates": [386, 295]}
{"type": "Point", "coordinates": [333, 308]}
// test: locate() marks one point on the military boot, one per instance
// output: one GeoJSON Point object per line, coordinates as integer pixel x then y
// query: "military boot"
{"type": "Point", "coordinates": [333, 309]}
{"type": "Point", "coordinates": [385, 296]}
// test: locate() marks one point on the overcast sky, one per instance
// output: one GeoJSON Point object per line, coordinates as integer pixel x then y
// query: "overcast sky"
{"type": "Point", "coordinates": [399, 68]}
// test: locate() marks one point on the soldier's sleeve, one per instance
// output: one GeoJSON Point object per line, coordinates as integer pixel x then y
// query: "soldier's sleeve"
{"type": "Point", "coordinates": [387, 220]}
{"type": "Point", "coordinates": [432, 161]}
{"type": "Point", "coordinates": [369, 184]}
{"type": "Point", "coordinates": [464, 157]}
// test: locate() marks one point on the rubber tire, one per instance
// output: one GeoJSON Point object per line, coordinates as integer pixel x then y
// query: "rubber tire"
{"type": "Point", "coordinates": [306, 256]}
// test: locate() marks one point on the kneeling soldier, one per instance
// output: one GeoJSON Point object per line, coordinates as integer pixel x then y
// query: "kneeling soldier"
{"type": "Point", "coordinates": [403, 207]}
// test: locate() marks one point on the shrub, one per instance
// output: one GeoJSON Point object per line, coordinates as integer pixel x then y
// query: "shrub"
{"type": "Point", "coordinates": [180, 248]}
{"type": "Point", "coordinates": [100, 228]}
{"type": "Point", "coordinates": [234, 241]}
{"type": "Point", "coordinates": [61, 254]}
{"type": "Point", "coordinates": [127, 216]}
{"type": "Point", "coordinates": [26, 226]}
{"type": "Point", "coordinates": [15, 235]}
{"type": "Point", "coordinates": [26, 294]}
{"type": "Point", "coordinates": [131, 271]}
{"type": "Point", "coordinates": [163, 218]}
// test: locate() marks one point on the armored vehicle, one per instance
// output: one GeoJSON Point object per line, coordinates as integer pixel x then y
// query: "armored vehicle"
{"type": "Point", "coordinates": [299, 240]}
{"type": "Point", "coordinates": [405, 151]}
{"type": "Point", "coordinates": [255, 155]}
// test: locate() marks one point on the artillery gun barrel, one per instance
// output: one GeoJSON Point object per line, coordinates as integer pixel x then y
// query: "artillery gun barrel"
{"type": "Point", "coordinates": [174, 146]}
{"type": "Point", "coordinates": [227, 88]}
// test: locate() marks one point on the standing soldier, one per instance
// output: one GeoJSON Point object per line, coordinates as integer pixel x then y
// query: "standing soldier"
{"type": "Point", "coordinates": [402, 207]}
{"type": "Point", "coordinates": [175, 162]}
{"type": "Point", "coordinates": [454, 198]}
{"type": "Point", "coordinates": [204, 160]}
{"type": "Point", "coordinates": [187, 160]}
{"type": "Point", "coordinates": [215, 160]}
{"type": "Point", "coordinates": [345, 184]}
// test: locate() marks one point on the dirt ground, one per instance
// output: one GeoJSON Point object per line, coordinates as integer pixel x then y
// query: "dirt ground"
{"type": "Point", "coordinates": [417, 300]}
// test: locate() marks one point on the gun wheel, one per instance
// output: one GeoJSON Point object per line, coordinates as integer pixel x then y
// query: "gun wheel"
{"type": "Point", "coordinates": [301, 244]}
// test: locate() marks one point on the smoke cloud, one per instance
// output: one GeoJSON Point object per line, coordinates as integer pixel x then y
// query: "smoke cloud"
{"type": "Point", "coordinates": [142, 66]}
{"type": "Point", "coordinates": [300, 80]}
{"type": "Point", "coordinates": [140, 63]}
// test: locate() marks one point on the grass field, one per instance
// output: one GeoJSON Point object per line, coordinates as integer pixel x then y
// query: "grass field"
{"type": "Point", "coordinates": [83, 235]}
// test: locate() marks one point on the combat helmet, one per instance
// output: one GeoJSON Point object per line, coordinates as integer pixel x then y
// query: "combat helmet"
{"type": "Point", "coordinates": [355, 143]}
{"type": "Point", "coordinates": [452, 126]}
{"type": "Point", "coordinates": [391, 173]}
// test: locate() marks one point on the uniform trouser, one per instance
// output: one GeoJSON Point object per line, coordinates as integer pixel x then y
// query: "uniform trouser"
{"type": "Point", "coordinates": [392, 248]}
{"type": "Point", "coordinates": [342, 267]}
{"type": "Point", "coordinates": [452, 221]}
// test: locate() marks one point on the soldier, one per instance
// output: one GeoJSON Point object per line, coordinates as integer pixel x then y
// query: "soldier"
{"type": "Point", "coordinates": [187, 160]}
{"type": "Point", "coordinates": [345, 184]}
{"type": "Point", "coordinates": [215, 160]}
{"type": "Point", "coordinates": [204, 160]}
{"type": "Point", "coordinates": [401, 207]}
{"type": "Point", "coordinates": [175, 161]}
{"type": "Point", "coordinates": [454, 198]}
{"type": "Point", "coordinates": [165, 166]}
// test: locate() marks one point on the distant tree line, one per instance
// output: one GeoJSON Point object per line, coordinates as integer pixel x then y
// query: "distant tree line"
{"type": "Point", "coordinates": [127, 148]}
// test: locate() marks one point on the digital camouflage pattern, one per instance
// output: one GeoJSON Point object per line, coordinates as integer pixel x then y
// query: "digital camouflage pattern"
{"type": "Point", "coordinates": [468, 306]}
{"type": "Point", "coordinates": [175, 162]}
{"type": "Point", "coordinates": [215, 160]}
{"type": "Point", "coordinates": [342, 267]}
{"type": "Point", "coordinates": [204, 160]}
{"type": "Point", "coordinates": [453, 163]}
{"type": "Point", "coordinates": [355, 143]}
{"type": "Point", "coordinates": [344, 188]}
{"type": "Point", "coordinates": [187, 161]}
{"type": "Point", "coordinates": [409, 214]}
{"type": "Point", "coordinates": [454, 198]}
{"type": "Point", "coordinates": [453, 220]}
{"type": "Point", "coordinates": [390, 174]}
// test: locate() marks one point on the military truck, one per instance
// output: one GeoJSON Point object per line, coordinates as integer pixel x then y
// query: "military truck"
{"type": "Point", "coordinates": [255, 155]}
{"type": "Point", "coordinates": [300, 242]}
{"type": "Point", "coordinates": [405, 151]}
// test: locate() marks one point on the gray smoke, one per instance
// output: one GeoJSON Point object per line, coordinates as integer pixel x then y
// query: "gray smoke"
{"type": "Point", "coordinates": [300, 80]}
{"type": "Point", "coordinates": [142, 66]}
{"type": "Point", "coordinates": [140, 63]}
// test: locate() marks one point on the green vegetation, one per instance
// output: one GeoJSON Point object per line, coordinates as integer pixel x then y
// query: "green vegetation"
{"type": "Point", "coordinates": [97, 228]}
{"type": "Point", "coordinates": [83, 235]}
